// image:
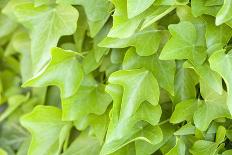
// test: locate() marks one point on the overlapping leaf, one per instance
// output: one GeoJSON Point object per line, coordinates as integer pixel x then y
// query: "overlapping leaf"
{"type": "Point", "coordinates": [46, 25]}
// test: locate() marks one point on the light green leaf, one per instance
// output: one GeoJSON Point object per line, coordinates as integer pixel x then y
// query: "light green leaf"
{"type": "Point", "coordinates": [163, 70]}
{"type": "Point", "coordinates": [149, 47]}
{"type": "Point", "coordinates": [56, 21]}
{"type": "Point", "coordinates": [202, 147]}
{"type": "Point", "coordinates": [186, 129]}
{"type": "Point", "coordinates": [184, 86]}
{"type": "Point", "coordinates": [59, 72]}
{"type": "Point", "coordinates": [47, 129]}
{"type": "Point", "coordinates": [7, 26]}
{"type": "Point", "coordinates": [208, 76]}
{"type": "Point", "coordinates": [43, 2]}
{"type": "Point", "coordinates": [221, 63]}
{"type": "Point", "coordinates": [214, 107]}
{"type": "Point", "coordinates": [97, 12]}
{"type": "Point", "coordinates": [87, 100]}
{"type": "Point", "coordinates": [157, 14]}
{"type": "Point", "coordinates": [84, 144]}
{"type": "Point", "coordinates": [184, 111]}
{"type": "Point", "coordinates": [225, 13]}
{"type": "Point", "coordinates": [13, 103]}
{"type": "Point", "coordinates": [129, 108]}
{"type": "Point", "coordinates": [135, 7]}
{"type": "Point", "coordinates": [209, 7]}
{"type": "Point", "coordinates": [183, 44]}
{"type": "Point", "coordinates": [220, 135]}
{"type": "Point", "coordinates": [216, 36]}
{"type": "Point", "coordinates": [227, 152]}
{"type": "Point", "coordinates": [179, 148]}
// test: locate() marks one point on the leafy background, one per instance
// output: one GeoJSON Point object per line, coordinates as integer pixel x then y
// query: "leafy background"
{"type": "Point", "coordinates": [119, 77]}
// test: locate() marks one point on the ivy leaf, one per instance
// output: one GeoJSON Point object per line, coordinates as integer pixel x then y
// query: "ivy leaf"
{"type": "Point", "coordinates": [225, 13]}
{"type": "Point", "coordinates": [214, 107]}
{"type": "Point", "coordinates": [184, 85]}
{"type": "Point", "coordinates": [184, 44]}
{"type": "Point", "coordinates": [207, 76]}
{"type": "Point", "coordinates": [58, 21]}
{"type": "Point", "coordinates": [13, 103]}
{"type": "Point", "coordinates": [184, 111]}
{"type": "Point", "coordinates": [3, 152]}
{"type": "Point", "coordinates": [84, 144]}
{"type": "Point", "coordinates": [148, 48]}
{"type": "Point", "coordinates": [63, 62]}
{"type": "Point", "coordinates": [129, 107]}
{"type": "Point", "coordinates": [87, 100]}
{"type": "Point", "coordinates": [47, 129]}
{"type": "Point", "coordinates": [216, 39]}
{"type": "Point", "coordinates": [163, 70]}
{"type": "Point", "coordinates": [179, 148]}
{"type": "Point", "coordinates": [202, 147]}
{"type": "Point", "coordinates": [143, 82]}
{"type": "Point", "coordinates": [186, 129]}
{"type": "Point", "coordinates": [221, 62]}
{"type": "Point", "coordinates": [97, 12]}
{"type": "Point", "coordinates": [135, 7]}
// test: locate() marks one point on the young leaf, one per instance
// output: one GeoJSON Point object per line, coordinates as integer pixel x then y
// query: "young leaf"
{"type": "Point", "coordinates": [221, 63]}
{"type": "Point", "coordinates": [179, 148]}
{"type": "Point", "coordinates": [47, 129]}
{"type": "Point", "coordinates": [184, 111]}
{"type": "Point", "coordinates": [183, 44]}
{"type": "Point", "coordinates": [87, 100]}
{"type": "Point", "coordinates": [59, 72]}
{"type": "Point", "coordinates": [135, 7]}
{"type": "Point", "coordinates": [147, 48]}
{"type": "Point", "coordinates": [225, 13]}
{"type": "Point", "coordinates": [163, 70]}
{"type": "Point", "coordinates": [46, 25]}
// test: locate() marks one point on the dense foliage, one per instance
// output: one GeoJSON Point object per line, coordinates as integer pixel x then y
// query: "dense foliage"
{"type": "Point", "coordinates": [118, 77]}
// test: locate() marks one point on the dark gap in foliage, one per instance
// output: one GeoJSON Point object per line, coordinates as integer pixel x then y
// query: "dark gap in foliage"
{"type": "Point", "coordinates": [228, 144]}
{"type": "Point", "coordinates": [224, 85]}
{"type": "Point", "coordinates": [3, 107]}
{"type": "Point", "coordinates": [170, 18]}
{"type": "Point", "coordinates": [65, 39]}
{"type": "Point", "coordinates": [198, 92]}
{"type": "Point", "coordinates": [53, 96]}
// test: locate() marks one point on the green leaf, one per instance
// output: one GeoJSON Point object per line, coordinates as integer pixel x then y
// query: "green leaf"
{"type": "Point", "coordinates": [227, 152]}
{"type": "Point", "coordinates": [202, 147]}
{"type": "Point", "coordinates": [184, 111]}
{"type": "Point", "coordinates": [220, 135]}
{"type": "Point", "coordinates": [184, 85]}
{"type": "Point", "coordinates": [84, 144]}
{"type": "Point", "coordinates": [135, 7]}
{"type": "Point", "coordinates": [211, 78]}
{"type": "Point", "coordinates": [147, 48]}
{"type": "Point", "coordinates": [215, 36]}
{"type": "Point", "coordinates": [3, 152]}
{"type": "Point", "coordinates": [225, 13]}
{"type": "Point", "coordinates": [214, 107]}
{"type": "Point", "coordinates": [13, 103]}
{"type": "Point", "coordinates": [163, 70]}
{"type": "Point", "coordinates": [87, 100]}
{"type": "Point", "coordinates": [179, 148]}
{"type": "Point", "coordinates": [62, 62]}
{"type": "Point", "coordinates": [57, 21]}
{"type": "Point", "coordinates": [221, 63]}
{"type": "Point", "coordinates": [129, 107]}
{"type": "Point", "coordinates": [186, 129]}
{"type": "Point", "coordinates": [47, 129]}
{"type": "Point", "coordinates": [184, 44]}
{"type": "Point", "coordinates": [97, 12]}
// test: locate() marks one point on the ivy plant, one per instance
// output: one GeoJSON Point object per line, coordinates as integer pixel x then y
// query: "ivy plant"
{"type": "Point", "coordinates": [116, 77]}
